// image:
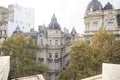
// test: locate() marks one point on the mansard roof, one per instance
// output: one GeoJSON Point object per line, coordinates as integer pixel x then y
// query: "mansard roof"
{"type": "Point", "coordinates": [17, 31]}
{"type": "Point", "coordinates": [44, 30]}
{"type": "Point", "coordinates": [108, 6]}
{"type": "Point", "coordinates": [94, 5]}
{"type": "Point", "coordinates": [73, 32]}
{"type": "Point", "coordinates": [54, 24]}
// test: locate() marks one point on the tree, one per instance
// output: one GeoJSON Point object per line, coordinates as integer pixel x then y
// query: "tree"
{"type": "Point", "coordinates": [86, 60]}
{"type": "Point", "coordinates": [103, 41]}
{"type": "Point", "coordinates": [22, 51]}
{"type": "Point", "coordinates": [107, 45]}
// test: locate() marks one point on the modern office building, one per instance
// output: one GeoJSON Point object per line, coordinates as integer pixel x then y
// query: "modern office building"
{"type": "Point", "coordinates": [20, 16]}
{"type": "Point", "coordinates": [16, 16]}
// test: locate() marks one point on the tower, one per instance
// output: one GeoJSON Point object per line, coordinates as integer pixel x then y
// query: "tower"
{"type": "Point", "coordinates": [98, 17]}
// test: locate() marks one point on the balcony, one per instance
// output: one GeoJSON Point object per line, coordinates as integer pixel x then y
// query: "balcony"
{"type": "Point", "coordinates": [57, 60]}
{"type": "Point", "coordinates": [51, 46]}
{"type": "Point", "coordinates": [49, 60]}
{"type": "Point", "coordinates": [4, 35]}
{"type": "Point", "coordinates": [42, 46]}
{"type": "Point", "coordinates": [54, 46]}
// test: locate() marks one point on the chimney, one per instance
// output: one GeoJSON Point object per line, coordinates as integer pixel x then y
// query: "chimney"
{"type": "Point", "coordinates": [39, 28]}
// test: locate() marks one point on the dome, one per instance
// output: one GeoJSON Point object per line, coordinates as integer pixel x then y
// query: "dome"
{"type": "Point", "coordinates": [54, 24]}
{"type": "Point", "coordinates": [108, 6]}
{"type": "Point", "coordinates": [17, 31]}
{"type": "Point", "coordinates": [94, 5]}
{"type": "Point", "coordinates": [44, 29]}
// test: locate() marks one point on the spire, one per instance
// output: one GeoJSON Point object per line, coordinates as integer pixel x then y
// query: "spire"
{"type": "Point", "coordinates": [53, 18]}
{"type": "Point", "coordinates": [73, 32]}
{"type": "Point", "coordinates": [18, 29]}
{"type": "Point", "coordinates": [54, 24]}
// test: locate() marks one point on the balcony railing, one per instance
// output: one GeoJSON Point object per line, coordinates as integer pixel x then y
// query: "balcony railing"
{"type": "Point", "coordinates": [50, 46]}
{"type": "Point", "coordinates": [50, 60]}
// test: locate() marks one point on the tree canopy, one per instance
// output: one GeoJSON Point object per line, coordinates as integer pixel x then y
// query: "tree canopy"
{"type": "Point", "coordinates": [86, 60]}
{"type": "Point", "coordinates": [22, 51]}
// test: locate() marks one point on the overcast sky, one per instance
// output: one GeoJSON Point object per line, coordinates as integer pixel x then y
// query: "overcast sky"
{"type": "Point", "coordinates": [69, 13]}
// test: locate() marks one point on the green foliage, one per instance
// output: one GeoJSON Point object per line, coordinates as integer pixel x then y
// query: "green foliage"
{"type": "Point", "coordinates": [86, 60]}
{"type": "Point", "coordinates": [22, 51]}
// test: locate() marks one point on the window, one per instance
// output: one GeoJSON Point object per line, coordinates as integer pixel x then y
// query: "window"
{"type": "Point", "coordinates": [50, 55]}
{"type": "Point", "coordinates": [41, 41]}
{"type": "Point", "coordinates": [94, 26]}
{"type": "Point", "coordinates": [50, 42]}
{"type": "Point", "coordinates": [28, 25]}
{"type": "Point", "coordinates": [118, 20]}
{"type": "Point", "coordinates": [41, 51]}
{"type": "Point", "coordinates": [109, 26]}
{"type": "Point", "coordinates": [21, 22]}
{"type": "Point", "coordinates": [56, 55]}
{"type": "Point", "coordinates": [56, 42]}
{"type": "Point", "coordinates": [4, 32]}
{"type": "Point", "coordinates": [41, 59]}
{"type": "Point", "coordinates": [0, 32]}
{"type": "Point", "coordinates": [87, 26]}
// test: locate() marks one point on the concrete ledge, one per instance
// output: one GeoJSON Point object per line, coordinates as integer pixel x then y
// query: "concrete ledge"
{"type": "Point", "coordinates": [97, 77]}
{"type": "Point", "coordinates": [110, 71]}
{"type": "Point", "coordinates": [4, 67]}
{"type": "Point", "coordinates": [35, 77]}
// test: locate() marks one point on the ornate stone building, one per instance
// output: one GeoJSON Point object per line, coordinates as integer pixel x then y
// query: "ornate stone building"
{"type": "Point", "coordinates": [98, 17]}
{"type": "Point", "coordinates": [54, 45]}
{"type": "Point", "coordinates": [3, 23]}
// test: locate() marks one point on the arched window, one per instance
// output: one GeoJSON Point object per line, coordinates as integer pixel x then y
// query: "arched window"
{"type": "Point", "coordinates": [50, 55]}
{"type": "Point", "coordinates": [56, 55]}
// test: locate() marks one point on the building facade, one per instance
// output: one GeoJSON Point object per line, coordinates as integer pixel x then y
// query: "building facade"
{"type": "Point", "coordinates": [3, 23]}
{"type": "Point", "coordinates": [20, 16]}
{"type": "Point", "coordinates": [16, 15]}
{"type": "Point", "coordinates": [53, 47]}
{"type": "Point", "coordinates": [98, 17]}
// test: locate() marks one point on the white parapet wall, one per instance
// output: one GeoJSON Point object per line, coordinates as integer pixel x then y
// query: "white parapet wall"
{"type": "Point", "coordinates": [35, 77]}
{"type": "Point", "coordinates": [110, 71]}
{"type": "Point", "coordinates": [97, 77]}
{"type": "Point", "coordinates": [4, 67]}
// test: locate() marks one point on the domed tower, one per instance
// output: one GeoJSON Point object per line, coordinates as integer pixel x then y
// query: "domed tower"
{"type": "Point", "coordinates": [17, 31]}
{"type": "Point", "coordinates": [108, 6]}
{"type": "Point", "coordinates": [94, 5]}
{"type": "Point", "coordinates": [74, 36]}
{"type": "Point", "coordinates": [54, 24]}
{"type": "Point", "coordinates": [54, 29]}
{"type": "Point", "coordinates": [54, 47]}
{"type": "Point", "coordinates": [93, 18]}
{"type": "Point", "coordinates": [98, 18]}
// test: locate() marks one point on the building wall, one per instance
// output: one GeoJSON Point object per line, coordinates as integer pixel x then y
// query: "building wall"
{"type": "Point", "coordinates": [52, 51]}
{"type": "Point", "coordinates": [4, 67]}
{"type": "Point", "coordinates": [101, 20]}
{"type": "Point", "coordinates": [16, 15]}
{"type": "Point", "coordinates": [20, 16]}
